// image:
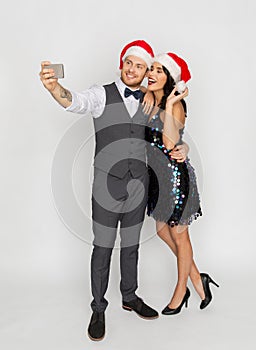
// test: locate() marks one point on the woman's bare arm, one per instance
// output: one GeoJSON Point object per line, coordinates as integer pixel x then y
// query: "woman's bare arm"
{"type": "Point", "coordinates": [174, 119]}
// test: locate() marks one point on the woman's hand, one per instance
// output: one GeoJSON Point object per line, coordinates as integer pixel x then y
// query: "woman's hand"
{"type": "Point", "coordinates": [180, 152]}
{"type": "Point", "coordinates": [172, 98]}
{"type": "Point", "coordinates": [148, 102]}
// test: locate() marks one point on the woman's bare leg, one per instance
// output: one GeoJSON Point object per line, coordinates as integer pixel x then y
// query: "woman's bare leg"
{"type": "Point", "coordinates": [164, 233]}
{"type": "Point", "coordinates": [184, 263]}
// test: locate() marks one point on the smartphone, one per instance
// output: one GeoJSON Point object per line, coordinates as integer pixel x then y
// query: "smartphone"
{"type": "Point", "coordinates": [58, 70]}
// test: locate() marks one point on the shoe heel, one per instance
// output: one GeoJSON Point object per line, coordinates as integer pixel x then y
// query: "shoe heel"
{"type": "Point", "coordinates": [213, 282]}
{"type": "Point", "coordinates": [186, 303]}
{"type": "Point", "coordinates": [126, 308]}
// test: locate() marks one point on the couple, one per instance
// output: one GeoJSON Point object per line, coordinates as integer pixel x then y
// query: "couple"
{"type": "Point", "coordinates": [124, 185]}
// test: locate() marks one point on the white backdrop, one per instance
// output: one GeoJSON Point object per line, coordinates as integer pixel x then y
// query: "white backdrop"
{"type": "Point", "coordinates": [45, 291]}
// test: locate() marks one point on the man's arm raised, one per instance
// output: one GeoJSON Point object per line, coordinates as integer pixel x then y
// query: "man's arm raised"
{"type": "Point", "coordinates": [59, 93]}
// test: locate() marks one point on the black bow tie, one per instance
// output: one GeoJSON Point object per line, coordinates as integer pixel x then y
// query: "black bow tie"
{"type": "Point", "coordinates": [136, 94]}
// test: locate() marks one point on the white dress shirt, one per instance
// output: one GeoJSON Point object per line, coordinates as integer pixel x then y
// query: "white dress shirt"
{"type": "Point", "coordinates": [93, 100]}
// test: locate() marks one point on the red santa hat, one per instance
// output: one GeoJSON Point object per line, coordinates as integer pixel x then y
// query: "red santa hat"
{"type": "Point", "coordinates": [140, 49]}
{"type": "Point", "coordinates": [177, 68]}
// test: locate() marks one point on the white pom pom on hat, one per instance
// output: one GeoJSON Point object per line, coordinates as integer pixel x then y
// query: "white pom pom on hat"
{"type": "Point", "coordinates": [139, 48]}
{"type": "Point", "coordinates": [177, 68]}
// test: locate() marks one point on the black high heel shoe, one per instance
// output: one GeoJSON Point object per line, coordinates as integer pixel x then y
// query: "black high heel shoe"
{"type": "Point", "coordinates": [206, 280]}
{"type": "Point", "coordinates": [168, 311]}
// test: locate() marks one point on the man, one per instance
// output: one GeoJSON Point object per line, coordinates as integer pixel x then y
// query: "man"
{"type": "Point", "coordinates": [120, 175]}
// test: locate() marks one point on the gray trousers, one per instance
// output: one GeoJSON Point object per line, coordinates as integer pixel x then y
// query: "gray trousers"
{"type": "Point", "coordinates": [115, 200]}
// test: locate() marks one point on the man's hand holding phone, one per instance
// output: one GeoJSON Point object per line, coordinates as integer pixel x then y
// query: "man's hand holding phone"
{"type": "Point", "coordinates": [50, 73]}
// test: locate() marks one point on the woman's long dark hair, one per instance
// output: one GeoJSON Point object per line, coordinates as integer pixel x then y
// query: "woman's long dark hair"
{"type": "Point", "coordinates": [168, 87]}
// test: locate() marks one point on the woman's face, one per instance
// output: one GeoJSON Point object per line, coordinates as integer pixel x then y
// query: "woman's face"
{"type": "Point", "coordinates": [156, 77]}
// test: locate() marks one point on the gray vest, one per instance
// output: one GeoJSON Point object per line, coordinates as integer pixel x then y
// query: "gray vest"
{"type": "Point", "coordinates": [120, 139]}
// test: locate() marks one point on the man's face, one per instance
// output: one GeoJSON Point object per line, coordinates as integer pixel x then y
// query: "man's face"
{"type": "Point", "coordinates": [133, 71]}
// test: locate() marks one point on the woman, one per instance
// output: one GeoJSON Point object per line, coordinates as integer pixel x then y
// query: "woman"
{"type": "Point", "coordinates": [173, 196]}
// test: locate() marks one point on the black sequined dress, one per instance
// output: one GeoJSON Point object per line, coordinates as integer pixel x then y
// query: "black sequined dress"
{"type": "Point", "coordinates": [173, 195]}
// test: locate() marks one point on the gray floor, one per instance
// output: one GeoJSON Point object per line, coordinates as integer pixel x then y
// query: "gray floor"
{"type": "Point", "coordinates": [56, 317]}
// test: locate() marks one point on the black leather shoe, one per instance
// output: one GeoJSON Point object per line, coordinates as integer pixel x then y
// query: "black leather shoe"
{"type": "Point", "coordinates": [96, 329]}
{"type": "Point", "coordinates": [169, 311]}
{"type": "Point", "coordinates": [141, 309]}
{"type": "Point", "coordinates": [206, 280]}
